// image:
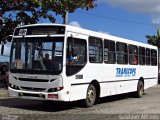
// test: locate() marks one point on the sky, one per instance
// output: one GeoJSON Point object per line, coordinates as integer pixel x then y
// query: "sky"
{"type": "Point", "coordinates": [130, 19]}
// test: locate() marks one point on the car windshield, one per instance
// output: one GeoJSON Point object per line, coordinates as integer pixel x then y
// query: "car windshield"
{"type": "Point", "coordinates": [37, 55]}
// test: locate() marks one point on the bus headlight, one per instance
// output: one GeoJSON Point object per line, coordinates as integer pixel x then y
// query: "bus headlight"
{"type": "Point", "coordinates": [55, 89]}
{"type": "Point", "coordinates": [13, 86]}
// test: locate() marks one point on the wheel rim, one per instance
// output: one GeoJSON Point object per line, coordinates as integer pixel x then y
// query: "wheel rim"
{"type": "Point", "coordinates": [91, 96]}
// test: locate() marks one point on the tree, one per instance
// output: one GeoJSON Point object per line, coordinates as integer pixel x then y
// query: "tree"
{"type": "Point", "coordinates": [14, 12]}
{"type": "Point", "coordinates": [63, 7]}
{"type": "Point", "coordinates": [154, 39]}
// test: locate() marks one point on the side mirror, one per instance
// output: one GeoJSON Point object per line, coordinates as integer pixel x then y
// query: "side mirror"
{"type": "Point", "coordinates": [5, 40]}
{"type": "Point", "coordinates": [2, 49]}
{"type": "Point", "coordinates": [9, 38]}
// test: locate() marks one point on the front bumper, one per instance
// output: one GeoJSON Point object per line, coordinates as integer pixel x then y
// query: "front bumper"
{"type": "Point", "coordinates": [54, 96]}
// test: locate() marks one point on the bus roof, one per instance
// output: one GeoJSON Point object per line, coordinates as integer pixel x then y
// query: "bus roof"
{"type": "Point", "coordinates": [93, 34]}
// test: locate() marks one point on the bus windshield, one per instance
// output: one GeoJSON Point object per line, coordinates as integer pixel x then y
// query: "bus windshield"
{"type": "Point", "coordinates": [37, 55]}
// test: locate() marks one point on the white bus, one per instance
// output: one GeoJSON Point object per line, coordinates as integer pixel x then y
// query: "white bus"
{"type": "Point", "coordinates": [81, 64]}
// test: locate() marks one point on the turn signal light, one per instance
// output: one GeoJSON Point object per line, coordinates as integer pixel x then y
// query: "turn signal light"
{"type": "Point", "coordinates": [55, 89]}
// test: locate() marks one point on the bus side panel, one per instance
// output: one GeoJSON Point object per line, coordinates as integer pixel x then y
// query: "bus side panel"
{"type": "Point", "coordinates": [107, 89]}
{"type": "Point", "coordinates": [90, 73]}
{"type": "Point", "coordinates": [127, 81]}
{"type": "Point", "coordinates": [128, 86]}
{"type": "Point", "coordinates": [78, 92]}
{"type": "Point", "coordinates": [149, 74]}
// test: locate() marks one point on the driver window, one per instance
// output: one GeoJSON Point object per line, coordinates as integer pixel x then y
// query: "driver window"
{"type": "Point", "coordinates": [76, 51]}
{"type": "Point", "coordinates": [76, 55]}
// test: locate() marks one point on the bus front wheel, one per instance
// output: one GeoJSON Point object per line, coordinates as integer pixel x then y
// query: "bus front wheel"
{"type": "Point", "coordinates": [90, 96]}
{"type": "Point", "coordinates": [140, 89]}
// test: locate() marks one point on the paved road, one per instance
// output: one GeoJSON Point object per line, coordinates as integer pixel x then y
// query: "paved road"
{"type": "Point", "coordinates": [115, 107]}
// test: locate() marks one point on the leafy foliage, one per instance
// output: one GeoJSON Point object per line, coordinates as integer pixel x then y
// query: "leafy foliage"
{"type": "Point", "coordinates": [154, 39]}
{"type": "Point", "coordinates": [13, 12]}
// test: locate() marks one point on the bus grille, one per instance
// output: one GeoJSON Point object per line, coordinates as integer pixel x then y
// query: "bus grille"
{"type": "Point", "coordinates": [33, 89]}
{"type": "Point", "coordinates": [33, 80]}
{"type": "Point", "coordinates": [32, 95]}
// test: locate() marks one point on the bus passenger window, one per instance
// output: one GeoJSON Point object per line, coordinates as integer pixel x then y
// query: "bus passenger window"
{"type": "Point", "coordinates": [133, 55]}
{"type": "Point", "coordinates": [153, 57]}
{"type": "Point", "coordinates": [109, 52]}
{"type": "Point", "coordinates": [142, 56]}
{"type": "Point", "coordinates": [95, 50]}
{"type": "Point", "coordinates": [122, 53]}
{"type": "Point", "coordinates": [148, 55]}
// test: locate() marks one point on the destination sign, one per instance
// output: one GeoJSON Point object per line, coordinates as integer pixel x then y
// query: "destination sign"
{"type": "Point", "coordinates": [46, 31]}
{"type": "Point", "coordinates": [40, 30]}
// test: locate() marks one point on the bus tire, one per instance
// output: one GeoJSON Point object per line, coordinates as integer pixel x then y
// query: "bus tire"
{"type": "Point", "coordinates": [90, 96]}
{"type": "Point", "coordinates": [140, 89]}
